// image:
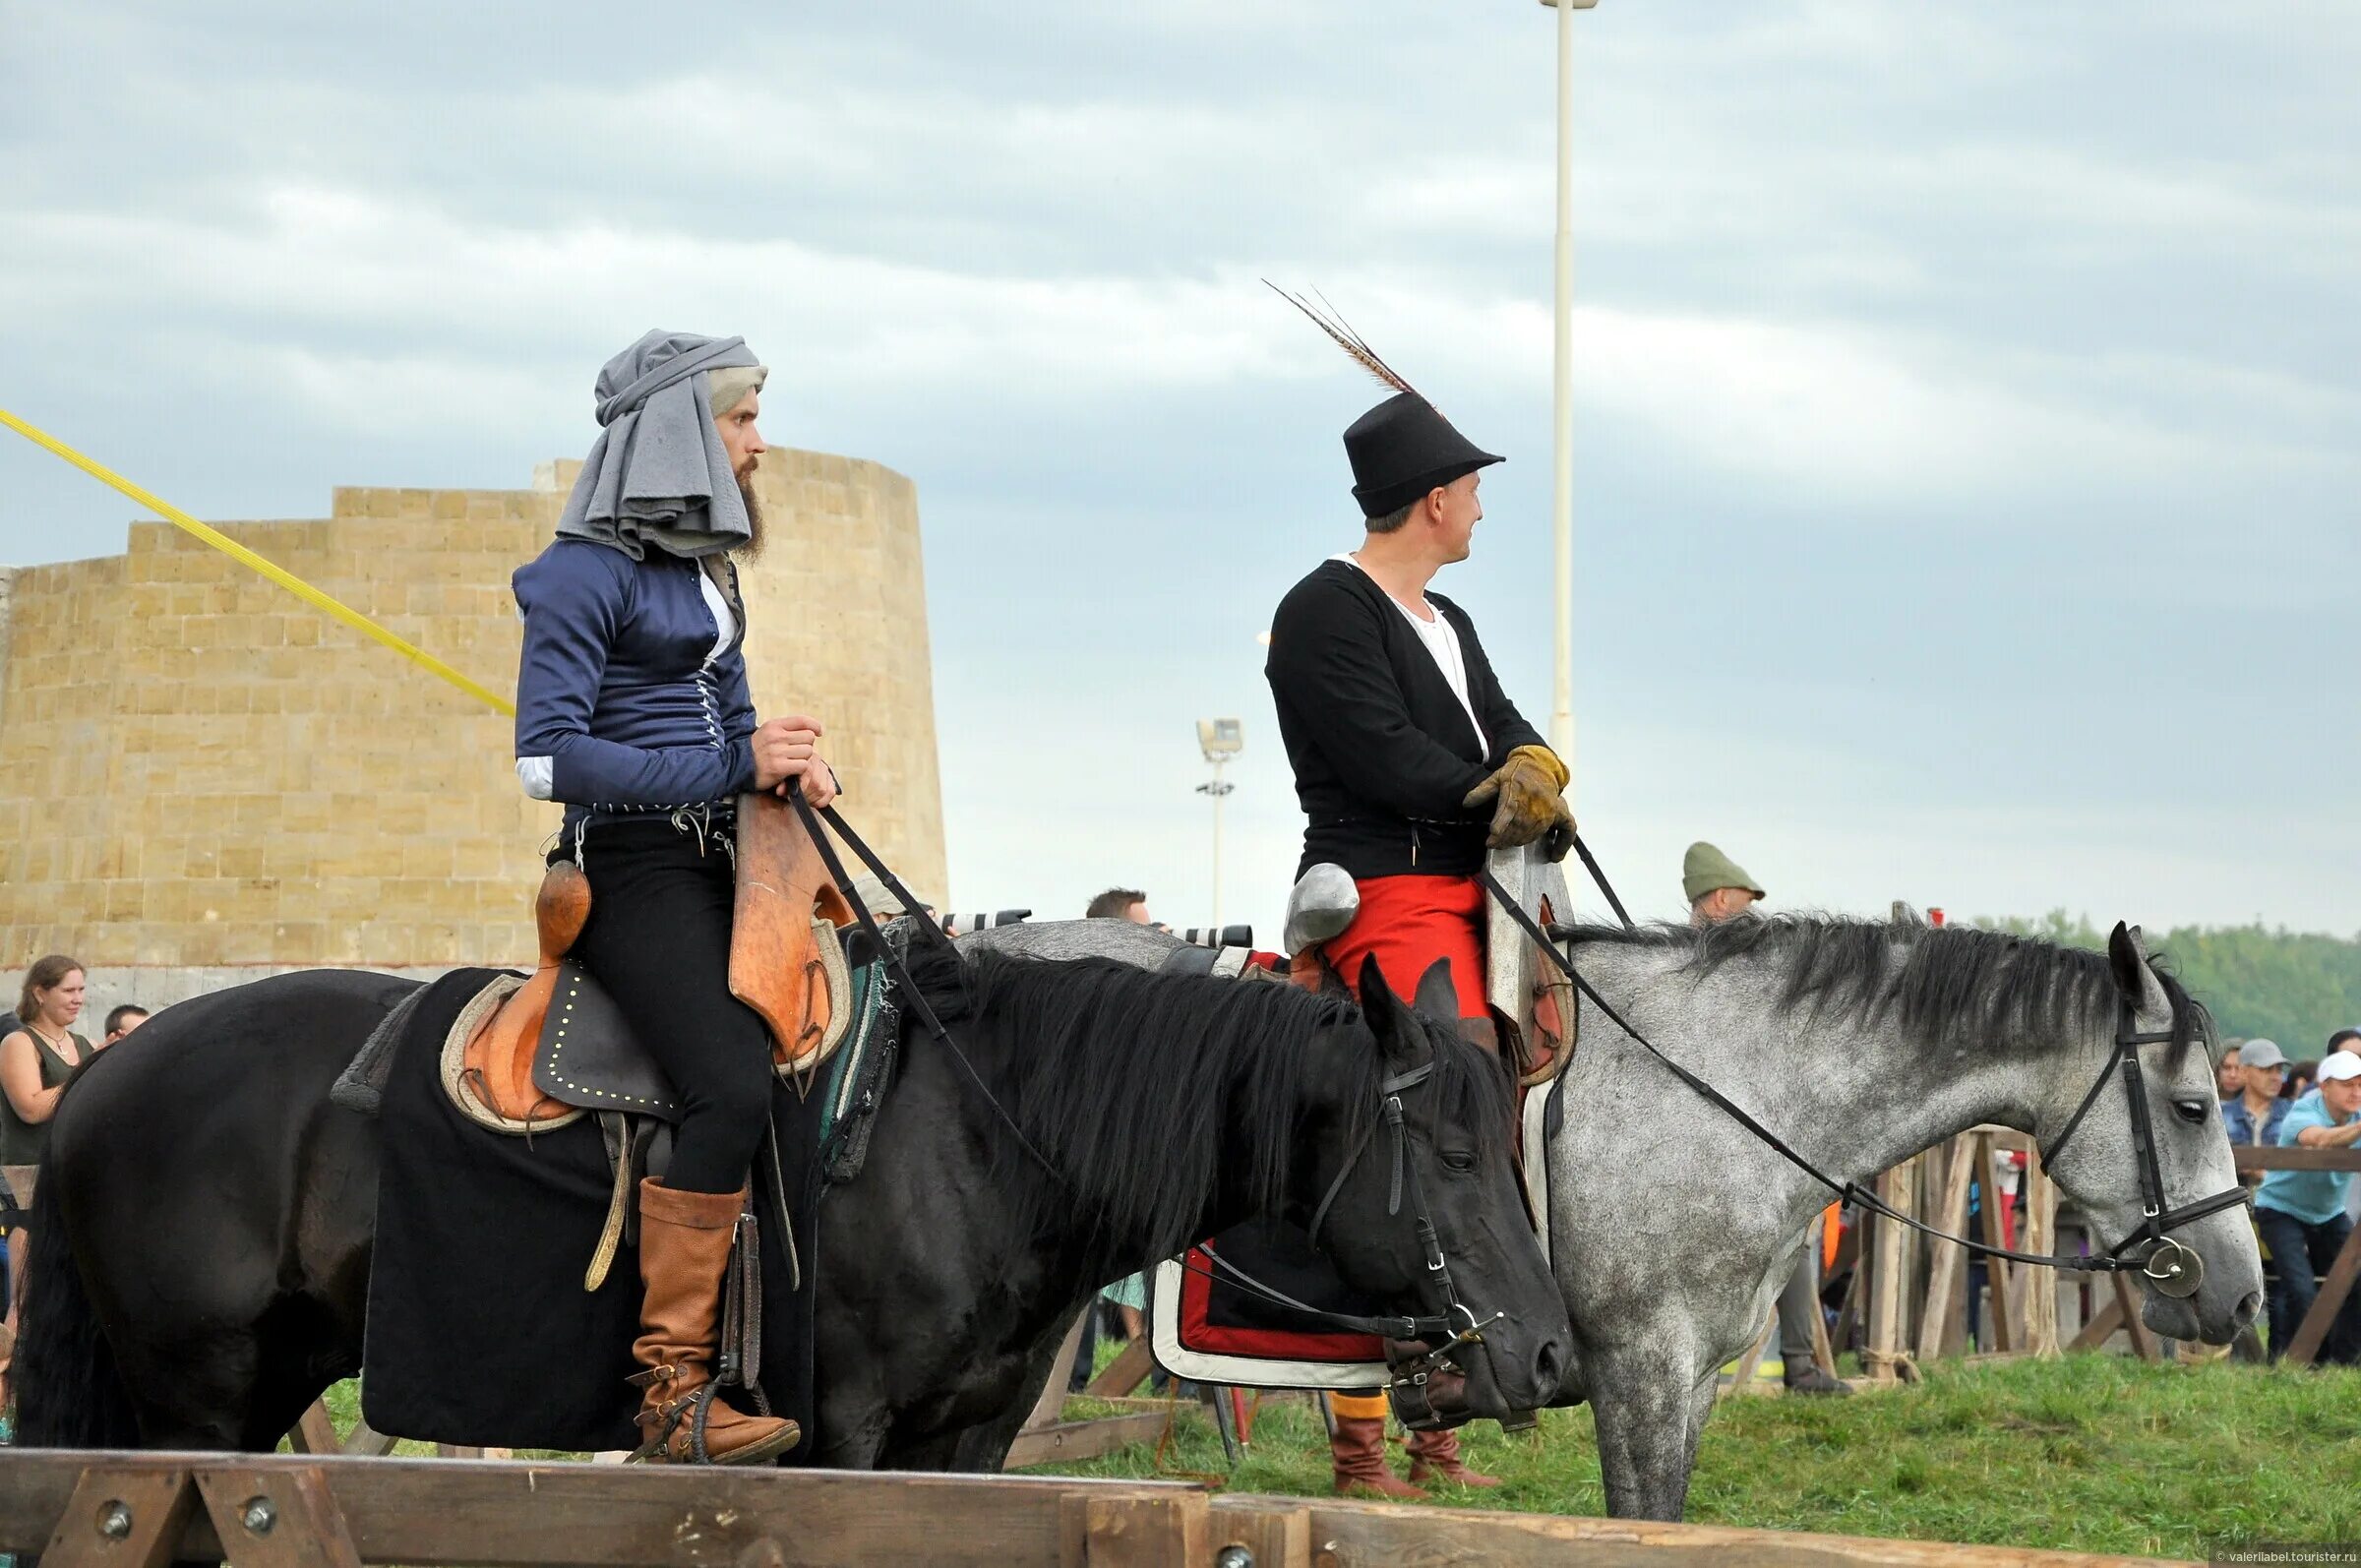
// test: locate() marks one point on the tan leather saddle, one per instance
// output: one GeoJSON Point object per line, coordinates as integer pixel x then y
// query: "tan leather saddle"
{"type": "Point", "coordinates": [555, 1047]}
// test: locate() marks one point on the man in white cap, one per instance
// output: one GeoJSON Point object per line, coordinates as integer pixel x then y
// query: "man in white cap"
{"type": "Point", "coordinates": [2301, 1214]}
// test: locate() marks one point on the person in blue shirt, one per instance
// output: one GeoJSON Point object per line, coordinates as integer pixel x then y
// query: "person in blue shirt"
{"type": "Point", "coordinates": [2254, 1114]}
{"type": "Point", "coordinates": [632, 709]}
{"type": "Point", "coordinates": [2301, 1214]}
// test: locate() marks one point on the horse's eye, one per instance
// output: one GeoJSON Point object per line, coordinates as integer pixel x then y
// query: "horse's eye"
{"type": "Point", "coordinates": [2192, 1111]}
{"type": "Point", "coordinates": [1456, 1160]}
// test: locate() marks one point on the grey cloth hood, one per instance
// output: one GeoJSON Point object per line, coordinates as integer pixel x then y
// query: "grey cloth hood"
{"type": "Point", "coordinates": [657, 473]}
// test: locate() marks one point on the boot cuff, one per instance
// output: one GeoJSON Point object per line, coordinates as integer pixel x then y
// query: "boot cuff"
{"type": "Point", "coordinates": [699, 1211]}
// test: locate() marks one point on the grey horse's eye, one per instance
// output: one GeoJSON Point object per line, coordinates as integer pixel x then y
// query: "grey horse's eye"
{"type": "Point", "coordinates": [2193, 1111]}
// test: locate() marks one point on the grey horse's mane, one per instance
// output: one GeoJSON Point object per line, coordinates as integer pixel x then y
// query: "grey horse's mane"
{"type": "Point", "coordinates": [1943, 984]}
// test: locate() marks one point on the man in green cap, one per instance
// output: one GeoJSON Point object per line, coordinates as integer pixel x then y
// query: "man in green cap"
{"type": "Point", "coordinates": [1715, 886]}
{"type": "Point", "coordinates": [1718, 888]}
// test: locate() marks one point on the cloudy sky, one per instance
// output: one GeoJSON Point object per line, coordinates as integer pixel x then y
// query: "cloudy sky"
{"type": "Point", "coordinates": [1967, 414]}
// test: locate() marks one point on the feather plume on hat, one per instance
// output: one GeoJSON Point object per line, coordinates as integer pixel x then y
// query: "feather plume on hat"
{"type": "Point", "coordinates": [1333, 323]}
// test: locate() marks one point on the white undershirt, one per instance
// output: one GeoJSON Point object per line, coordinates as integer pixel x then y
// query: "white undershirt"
{"type": "Point", "coordinates": [1441, 638]}
{"type": "Point", "coordinates": [725, 624]}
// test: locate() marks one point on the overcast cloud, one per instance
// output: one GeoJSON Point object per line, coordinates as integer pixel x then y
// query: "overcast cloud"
{"type": "Point", "coordinates": [1967, 414]}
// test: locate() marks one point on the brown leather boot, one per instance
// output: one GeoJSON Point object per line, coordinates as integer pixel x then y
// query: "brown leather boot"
{"type": "Point", "coordinates": [684, 1256]}
{"type": "Point", "coordinates": [1433, 1454]}
{"type": "Point", "coordinates": [1358, 1449]}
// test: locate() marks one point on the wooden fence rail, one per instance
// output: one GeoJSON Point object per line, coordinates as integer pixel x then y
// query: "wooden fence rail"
{"type": "Point", "coordinates": [143, 1510]}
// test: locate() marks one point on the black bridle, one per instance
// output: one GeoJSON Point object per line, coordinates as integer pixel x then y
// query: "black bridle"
{"type": "Point", "coordinates": [1432, 1337]}
{"type": "Point", "coordinates": [2170, 1267]}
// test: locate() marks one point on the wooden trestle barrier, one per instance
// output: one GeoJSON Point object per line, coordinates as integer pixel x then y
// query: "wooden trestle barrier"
{"type": "Point", "coordinates": [112, 1510]}
{"type": "Point", "coordinates": [1909, 1291]}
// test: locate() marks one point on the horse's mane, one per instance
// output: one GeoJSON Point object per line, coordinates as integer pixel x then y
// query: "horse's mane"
{"type": "Point", "coordinates": [1120, 1076]}
{"type": "Point", "coordinates": [1943, 984]}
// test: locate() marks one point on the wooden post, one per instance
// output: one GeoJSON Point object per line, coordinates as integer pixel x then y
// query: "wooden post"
{"type": "Point", "coordinates": [1888, 1349]}
{"type": "Point", "coordinates": [278, 1518]}
{"type": "Point", "coordinates": [1947, 1276]}
{"type": "Point", "coordinates": [2101, 1327]}
{"type": "Point", "coordinates": [1823, 1354]}
{"type": "Point", "coordinates": [2041, 1293]}
{"type": "Point", "coordinates": [315, 1434]}
{"type": "Point", "coordinates": [113, 1521]}
{"type": "Point", "coordinates": [1124, 1374]}
{"type": "Point", "coordinates": [2001, 1311]}
{"type": "Point", "coordinates": [1062, 1370]}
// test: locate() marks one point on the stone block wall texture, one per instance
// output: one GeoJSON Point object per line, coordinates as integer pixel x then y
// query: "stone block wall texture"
{"type": "Point", "coordinates": [203, 778]}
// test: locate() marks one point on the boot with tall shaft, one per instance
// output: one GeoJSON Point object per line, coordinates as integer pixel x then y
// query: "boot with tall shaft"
{"type": "Point", "coordinates": [1433, 1454]}
{"type": "Point", "coordinates": [1358, 1452]}
{"type": "Point", "coordinates": [683, 1259]}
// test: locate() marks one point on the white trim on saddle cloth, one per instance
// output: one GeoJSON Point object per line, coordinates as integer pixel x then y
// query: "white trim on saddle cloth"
{"type": "Point", "coordinates": [1241, 1371]}
{"type": "Point", "coordinates": [1257, 1372]}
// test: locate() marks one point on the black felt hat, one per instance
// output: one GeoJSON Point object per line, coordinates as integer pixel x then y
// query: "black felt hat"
{"type": "Point", "coordinates": [1402, 448]}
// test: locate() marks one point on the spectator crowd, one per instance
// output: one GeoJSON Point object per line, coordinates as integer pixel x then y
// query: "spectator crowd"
{"type": "Point", "coordinates": [2302, 1217]}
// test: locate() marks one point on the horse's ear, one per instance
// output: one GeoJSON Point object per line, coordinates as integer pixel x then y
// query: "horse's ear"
{"type": "Point", "coordinates": [2127, 956]}
{"type": "Point", "coordinates": [1394, 1025]}
{"type": "Point", "coordinates": [1437, 997]}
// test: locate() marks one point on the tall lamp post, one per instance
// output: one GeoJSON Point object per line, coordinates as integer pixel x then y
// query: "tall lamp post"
{"type": "Point", "coordinates": [1561, 497]}
{"type": "Point", "coordinates": [1220, 739]}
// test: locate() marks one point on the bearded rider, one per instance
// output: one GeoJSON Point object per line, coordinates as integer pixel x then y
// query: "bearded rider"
{"type": "Point", "coordinates": [632, 709]}
{"type": "Point", "coordinates": [1409, 762]}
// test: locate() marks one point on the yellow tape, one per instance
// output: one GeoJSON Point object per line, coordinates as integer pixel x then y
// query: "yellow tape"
{"type": "Point", "coordinates": [275, 572]}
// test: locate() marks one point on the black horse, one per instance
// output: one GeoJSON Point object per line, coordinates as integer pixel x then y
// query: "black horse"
{"type": "Point", "coordinates": [203, 1216]}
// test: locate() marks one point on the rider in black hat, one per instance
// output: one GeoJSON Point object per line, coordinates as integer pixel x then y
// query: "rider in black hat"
{"type": "Point", "coordinates": [1410, 761]}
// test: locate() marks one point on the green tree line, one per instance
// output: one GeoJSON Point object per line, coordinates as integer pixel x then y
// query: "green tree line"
{"type": "Point", "coordinates": [2292, 987]}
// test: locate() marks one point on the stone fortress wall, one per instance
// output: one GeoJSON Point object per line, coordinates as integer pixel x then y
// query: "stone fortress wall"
{"type": "Point", "coordinates": [203, 779]}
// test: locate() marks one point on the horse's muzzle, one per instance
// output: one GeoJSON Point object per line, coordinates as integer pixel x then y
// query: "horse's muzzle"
{"type": "Point", "coordinates": [1430, 1393]}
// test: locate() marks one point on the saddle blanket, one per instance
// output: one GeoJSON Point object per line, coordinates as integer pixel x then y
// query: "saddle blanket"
{"type": "Point", "coordinates": [1206, 1326]}
{"type": "Point", "coordinates": [479, 1329]}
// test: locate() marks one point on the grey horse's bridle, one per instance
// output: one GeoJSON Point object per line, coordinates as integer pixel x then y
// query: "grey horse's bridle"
{"type": "Point", "coordinates": [2171, 1267]}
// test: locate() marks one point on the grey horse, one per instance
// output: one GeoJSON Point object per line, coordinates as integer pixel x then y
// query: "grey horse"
{"type": "Point", "coordinates": [1859, 1044]}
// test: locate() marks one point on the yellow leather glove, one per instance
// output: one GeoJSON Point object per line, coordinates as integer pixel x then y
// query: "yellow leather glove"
{"type": "Point", "coordinates": [1529, 792]}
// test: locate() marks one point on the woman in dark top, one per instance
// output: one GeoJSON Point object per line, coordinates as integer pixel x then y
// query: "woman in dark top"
{"type": "Point", "coordinates": [35, 1059]}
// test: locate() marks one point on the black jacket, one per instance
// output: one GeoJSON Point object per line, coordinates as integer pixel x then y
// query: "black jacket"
{"type": "Point", "coordinates": [1381, 749]}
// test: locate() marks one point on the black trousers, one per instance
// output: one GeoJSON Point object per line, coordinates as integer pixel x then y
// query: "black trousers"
{"type": "Point", "coordinates": [658, 938]}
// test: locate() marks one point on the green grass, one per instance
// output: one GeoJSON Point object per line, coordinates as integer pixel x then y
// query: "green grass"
{"type": "Point", "coordinates": [2094, 1453]}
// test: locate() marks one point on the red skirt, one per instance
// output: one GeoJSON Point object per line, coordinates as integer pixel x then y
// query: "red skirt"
{"type": "Point", "coordinates": [1407, 923]}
